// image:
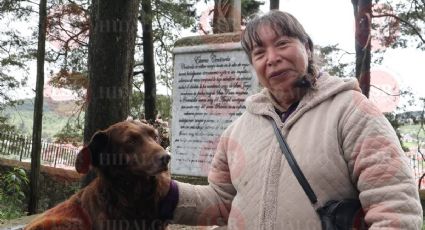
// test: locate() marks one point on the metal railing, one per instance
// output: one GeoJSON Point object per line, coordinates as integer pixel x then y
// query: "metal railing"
{"type": "Point", "coordinates": [417, 163]}
{"type": "Point", "coordinates": [18, 147]}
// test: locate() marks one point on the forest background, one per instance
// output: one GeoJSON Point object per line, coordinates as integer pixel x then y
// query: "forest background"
{"type": "Point", "coordinates": [53, 58]}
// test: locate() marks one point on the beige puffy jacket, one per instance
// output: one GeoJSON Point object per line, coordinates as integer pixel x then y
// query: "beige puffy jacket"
{"type": "Point", "coordinates": [345, 147]}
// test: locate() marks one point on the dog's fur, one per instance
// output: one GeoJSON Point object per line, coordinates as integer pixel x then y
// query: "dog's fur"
{"type": "Point", "coordinates": [133, 175]}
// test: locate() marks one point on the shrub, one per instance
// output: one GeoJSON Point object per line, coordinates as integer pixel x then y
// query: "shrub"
{"type": "Point", "coordinates": [12, 196]}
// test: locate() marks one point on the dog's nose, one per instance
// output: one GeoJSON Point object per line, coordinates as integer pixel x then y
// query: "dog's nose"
{"type": "Point", "coordinates": [165, 159]}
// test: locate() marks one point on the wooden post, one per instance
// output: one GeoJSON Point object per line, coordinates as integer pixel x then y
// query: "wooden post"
{"type": "Point", "coordinates": [15, 148]}
{"type": "Point", "coordinates": [56, 155]}
{"type": "Point", "coordinates": [28, 145]}
{"type": "Point", "coordinates": [50, 153]}
{"type": "Point", "coordinates": [21, 146]}
{"type": "Point", "coordinates": [61, 153]}
{"type": "Point", "coordinates": [2, 143]}
{"type": "Point", "coordinates": [66, 157]}
{"type": "Point", "coordinates": [9, 143]}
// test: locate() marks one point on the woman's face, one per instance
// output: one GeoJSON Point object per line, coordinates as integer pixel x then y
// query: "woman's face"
{"type": "Point", "coordinates": [279, 61]}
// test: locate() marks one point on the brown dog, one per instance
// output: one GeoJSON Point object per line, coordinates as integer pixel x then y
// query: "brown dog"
{"type": "Point", "coordinates": [133, 175]}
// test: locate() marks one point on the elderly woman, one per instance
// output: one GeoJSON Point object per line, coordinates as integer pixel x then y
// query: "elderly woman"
{"type": "Point", "coordinates": [344, 146]}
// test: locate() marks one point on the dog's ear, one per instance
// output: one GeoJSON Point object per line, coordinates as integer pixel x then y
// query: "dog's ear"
{"type": "Point", "coordinates": [98, 143]}
{"type": "Point", "coordinates": [83, 161]}
{"type": "Point", "coordinates": [89, 154]}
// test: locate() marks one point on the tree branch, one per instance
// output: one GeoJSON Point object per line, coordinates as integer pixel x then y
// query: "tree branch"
{"type": "Point", "coordinates": [403, 21]}
{"type": "Point", "coordinates": [138, 72]}
{"type": "Point", "coordinates": [137, 87]}
{"type": "Point", "coordinates": [389, 94]}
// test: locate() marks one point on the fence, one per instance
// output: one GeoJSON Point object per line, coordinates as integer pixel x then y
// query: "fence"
{"type": "Point", "coordinates": [417, 163]}
{"type": "Point", "coordinates": [19, 147]}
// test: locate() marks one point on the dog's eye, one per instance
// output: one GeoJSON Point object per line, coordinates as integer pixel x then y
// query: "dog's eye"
{"type": "Point", "coordinates": [132, 140]}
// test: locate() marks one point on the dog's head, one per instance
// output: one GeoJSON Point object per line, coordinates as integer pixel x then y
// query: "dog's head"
{"type": "Point", "coordinates": [128, 147]}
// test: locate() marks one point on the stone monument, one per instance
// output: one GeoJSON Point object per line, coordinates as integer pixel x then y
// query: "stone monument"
{"type": "Point", "coordinates": [212, 79]}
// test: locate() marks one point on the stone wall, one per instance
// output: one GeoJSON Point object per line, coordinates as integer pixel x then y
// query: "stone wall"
{"type": "Point", "coordinates": [56, 184]}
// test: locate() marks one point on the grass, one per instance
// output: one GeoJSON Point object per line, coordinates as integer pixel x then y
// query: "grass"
{"type": "Point", "coordinates": [51, 124]}
{"type": "Point", "coordinates": [55, 117]}
{"type": "Point", "coordinates": [412, 130]}
{"type": "Point", "coordinates": [411, 145]}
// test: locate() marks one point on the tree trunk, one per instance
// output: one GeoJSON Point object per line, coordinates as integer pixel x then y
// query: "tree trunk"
{"type": "Point", "coordinates": [111, 59]}
{"type": "Point", "coordinates": [274, 4]}
{"type": "Point", "coordinates": [38, 111]}
{"type": "Point", "coordinates": [148, 62]}
{"type": "Point", "coordinates": [363, 21]}
{"type": "Point", "coordinates": [227, 16]}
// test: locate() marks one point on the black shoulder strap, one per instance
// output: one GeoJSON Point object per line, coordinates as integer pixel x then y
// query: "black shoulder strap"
{"type": "Point", "coordinates": [293, 163]}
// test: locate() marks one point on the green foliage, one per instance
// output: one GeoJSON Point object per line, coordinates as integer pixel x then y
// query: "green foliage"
{"type": "Point", "coordinates": [12, 196]}
{"type": "Point", "coordinates": [20, 8]}
{"type": "Point", "coordinates": [164, 114]}
{"type": "Point", "coordinates": [394, 121]}
{"type": "Point", "coordinates": [410, 15]}
{"type": "Point", "coordinates": [71, 133]}
{"type": "Point", "coordinates": [67, 36]}
{"type": "Point", "coordinates": [249, 8]}
{"type": "Point", "coordinates": [16, 50]}
{"type": "Point", "coordinates": [55, 117]}
{"type": "Point", "coordinates": [395, 118]}
{"type": "Point", "coordinates": [398, 24]}
{"type": "Point", "coordinates": [331, 59]}
{"type": "Point", "coordinates": [6, 125]}
{"type": "Point", "coordinates": [168, 20]}
{"type": "Point", "coordinates": [163, 103]}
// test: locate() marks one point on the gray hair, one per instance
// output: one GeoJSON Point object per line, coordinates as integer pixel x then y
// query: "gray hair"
{"type": "Point", "coordinates": [283, 24]}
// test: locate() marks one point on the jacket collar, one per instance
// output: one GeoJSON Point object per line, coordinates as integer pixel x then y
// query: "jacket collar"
{"type": "Point", "coordinates": [263, 103]}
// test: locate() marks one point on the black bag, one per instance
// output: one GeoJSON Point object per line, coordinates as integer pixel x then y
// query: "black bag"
{"type": "Point", "coordinates": [342, 215]}
{"type": "Point", "coordinates": [334, 215]}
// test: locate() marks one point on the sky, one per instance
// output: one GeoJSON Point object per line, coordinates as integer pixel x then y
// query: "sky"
{"type": "Point", "coordinates": [327, 22]}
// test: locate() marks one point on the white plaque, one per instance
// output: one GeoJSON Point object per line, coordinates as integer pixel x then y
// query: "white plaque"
{"type": "Point", "coordinates": [211, 83]}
